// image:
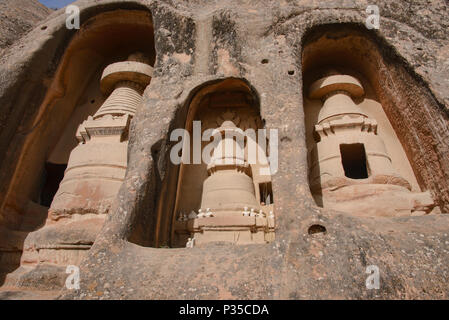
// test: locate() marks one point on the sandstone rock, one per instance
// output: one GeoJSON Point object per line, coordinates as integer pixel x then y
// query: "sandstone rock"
{"type": "Point", "coordinates": [267, 52]}
{"type": "Point", "coordinates": [17, 17]}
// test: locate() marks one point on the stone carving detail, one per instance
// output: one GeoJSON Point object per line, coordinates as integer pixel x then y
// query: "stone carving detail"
{"type": "Point", "coordinates": [98, 164]}
{"type": "Point", "coordinates": [193, 215]}
{"type": "Point", "coordinates": [352, 162]}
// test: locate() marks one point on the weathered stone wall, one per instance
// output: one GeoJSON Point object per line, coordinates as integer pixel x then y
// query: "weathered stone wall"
{"type": "Point", "coordinates": [201, 42]}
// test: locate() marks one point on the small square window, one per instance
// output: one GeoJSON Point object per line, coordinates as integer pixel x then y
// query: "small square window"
{"type": "Point", "coordinates": [266, 193]}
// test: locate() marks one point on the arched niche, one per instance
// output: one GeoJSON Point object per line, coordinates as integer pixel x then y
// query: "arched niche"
{"type": "Point", "coordinates": [351, 52]}
{"type": "Point", "coordinates": [73, 95]}
{"type": "Point", "coordinates": [183, 190]}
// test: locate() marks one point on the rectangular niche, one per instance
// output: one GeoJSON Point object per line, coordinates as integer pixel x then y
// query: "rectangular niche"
{"type": "Point", "coordinates": [353, 158]}
{"type": "Point", "coordinates": [266, 193]}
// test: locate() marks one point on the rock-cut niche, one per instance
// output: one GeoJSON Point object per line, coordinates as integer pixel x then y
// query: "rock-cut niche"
{"type": "Point", "coordinates": [75, 158]}
{"type": "Point", "coordinates": [223, 190]}
{"type": "Point", "coordinates": [357, 163]}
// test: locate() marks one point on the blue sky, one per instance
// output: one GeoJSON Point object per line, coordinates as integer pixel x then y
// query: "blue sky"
{"type": "Point", "coordinates": [56, 3]}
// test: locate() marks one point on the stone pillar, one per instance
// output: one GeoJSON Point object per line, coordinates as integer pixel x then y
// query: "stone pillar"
{"type": "Point", "coordinates": [95, 170]}
{"type": "Point", "coordinates": [343, 126]}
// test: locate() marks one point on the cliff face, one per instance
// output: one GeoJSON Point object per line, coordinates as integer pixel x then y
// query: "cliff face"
{"type": "Point", "coordinates": [17, 17]}
{"type": "Point", "coordinates": [318, 253]}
